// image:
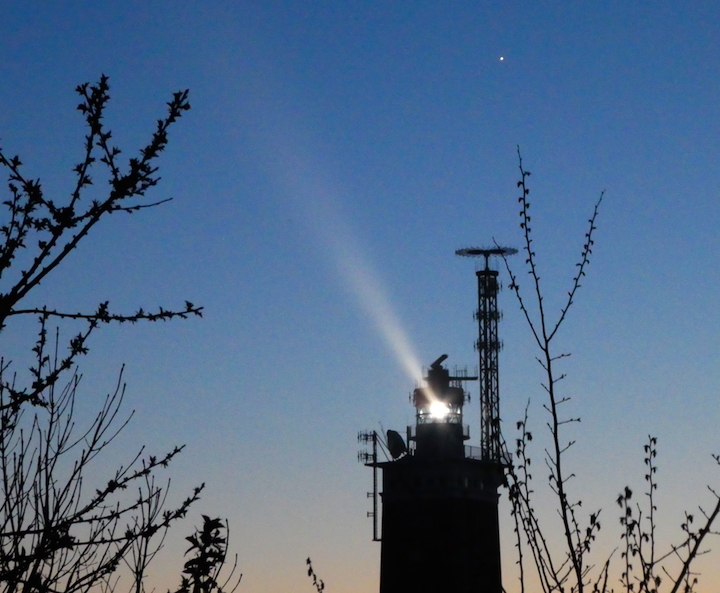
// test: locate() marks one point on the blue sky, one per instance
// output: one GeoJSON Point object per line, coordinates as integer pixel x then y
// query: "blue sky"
{"type": "Point", "coordinates": [336, 155]}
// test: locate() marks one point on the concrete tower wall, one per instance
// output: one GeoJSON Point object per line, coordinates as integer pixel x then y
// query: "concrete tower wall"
{"type": "Point", "coordinates": [440, 527]}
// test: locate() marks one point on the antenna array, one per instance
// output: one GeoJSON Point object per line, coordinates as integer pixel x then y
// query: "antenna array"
{"type": "Point", "coordinates": [488, 346]}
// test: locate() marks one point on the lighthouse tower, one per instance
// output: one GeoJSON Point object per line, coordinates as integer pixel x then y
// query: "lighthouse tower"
{"type": "Point", "coordinates": [439, 528]}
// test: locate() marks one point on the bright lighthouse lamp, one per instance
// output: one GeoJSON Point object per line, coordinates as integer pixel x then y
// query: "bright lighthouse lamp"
{"type": "Point", "coordinates": [439, 410]}
{"type": "Point", "coordinates": [439, 402]}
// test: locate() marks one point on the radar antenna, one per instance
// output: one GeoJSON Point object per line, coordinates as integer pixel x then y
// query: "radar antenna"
{"type": "Point", "coordinates": [488, 345]}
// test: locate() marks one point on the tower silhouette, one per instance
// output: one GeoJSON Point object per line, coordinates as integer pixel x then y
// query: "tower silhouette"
{"type": "Point", "coordinates": [440, 528]}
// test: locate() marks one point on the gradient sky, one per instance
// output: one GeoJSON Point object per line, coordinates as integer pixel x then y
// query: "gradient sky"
{"type": "Point", "coordinates": [335, 157]}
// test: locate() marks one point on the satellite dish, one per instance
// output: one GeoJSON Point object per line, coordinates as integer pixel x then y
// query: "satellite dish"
{"type": "Point", "coordinates": [396, 444]}
{"type": "Point", "coordinates": [438, 363]}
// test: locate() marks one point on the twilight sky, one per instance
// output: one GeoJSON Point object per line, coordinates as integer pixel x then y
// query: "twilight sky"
{"type": "Point", "coordinates": [335, 157]}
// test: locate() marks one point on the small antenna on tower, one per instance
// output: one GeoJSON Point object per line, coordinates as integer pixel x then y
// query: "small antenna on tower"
{"type": "Point", "coordinates": [371, 459]}
{"type": "Point", "coordinates": [488, 345]}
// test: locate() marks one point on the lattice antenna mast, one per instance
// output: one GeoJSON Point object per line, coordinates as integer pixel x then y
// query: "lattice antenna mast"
{"type": "Point", "coordinates": [488, 346]}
